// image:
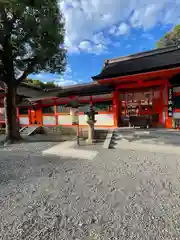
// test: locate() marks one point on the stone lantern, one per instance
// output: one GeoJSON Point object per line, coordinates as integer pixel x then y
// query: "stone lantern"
{"type": "Point", "coordinates": [91, 121]}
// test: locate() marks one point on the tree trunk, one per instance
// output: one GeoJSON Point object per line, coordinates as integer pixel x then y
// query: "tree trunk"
{"type": "Point", "coordinates": [12, 124]}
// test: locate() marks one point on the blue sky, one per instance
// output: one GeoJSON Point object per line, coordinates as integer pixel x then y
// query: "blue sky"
{"type": "Point", "coordinates": [101, 29]}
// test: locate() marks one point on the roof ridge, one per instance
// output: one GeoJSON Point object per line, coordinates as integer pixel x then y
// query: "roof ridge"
{"type": "Point", "coordinates": [31, 85]}
{"type": "Point", "coordinates": [71, 86]}
{"type": "Point", "coordinates": [142, 54]}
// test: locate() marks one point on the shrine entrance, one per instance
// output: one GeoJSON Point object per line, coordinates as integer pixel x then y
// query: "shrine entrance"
{"type": "Point", "coordinates": [140, 106]}
{"type": "Point", "coordinates": [35, 116]}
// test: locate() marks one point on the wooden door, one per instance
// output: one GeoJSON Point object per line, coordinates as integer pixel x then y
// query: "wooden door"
{"type": "Point", "coordinates": [33, 116]}
{"type": "Point", "coordinates": [157, 108]}
{"type": "Point", "coordinates": [39, 116]}
{"type": "Point", "coordinates": [36, 116]}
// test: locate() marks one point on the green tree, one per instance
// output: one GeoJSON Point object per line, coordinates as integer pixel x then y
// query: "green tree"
{"type": "Point", "coordinates": [31, 40]}
{"type": "Point", "coordinates": [49, 85]}
{"type": "Point", "coordinates": [170, 38]}
{"type": "Point", "coordinates": [40, 84]}
{"type": "Point", "coordinates": [35, 82]}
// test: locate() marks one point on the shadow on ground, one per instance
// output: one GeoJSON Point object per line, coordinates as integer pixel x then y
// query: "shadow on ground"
{"type": "Point", "coordinates": [21, 168]}
{"type": "Point", "coordinates": [147, 137]}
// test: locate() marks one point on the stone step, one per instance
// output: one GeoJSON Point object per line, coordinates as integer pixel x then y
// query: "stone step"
{"type": "Point", "coordinates": [28, 130]}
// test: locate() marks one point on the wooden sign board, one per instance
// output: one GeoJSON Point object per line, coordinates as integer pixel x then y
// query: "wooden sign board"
{"type": "Point", "coordinates": [170, 102]}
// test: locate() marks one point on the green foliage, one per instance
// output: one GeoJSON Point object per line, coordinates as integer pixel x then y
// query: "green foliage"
{"type": "Point", "coordinates": [40, 84]}
{"type": "Point", "coordinates": [31, 38]}
{"type": "Point", "coordinates": [170, 38]}
{"type": "Point", "coordinates": [34, 82]}
{"type": "Point", "coordinates": [49, 85]}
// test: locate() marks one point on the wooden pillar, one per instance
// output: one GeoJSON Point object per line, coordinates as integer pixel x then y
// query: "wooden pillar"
{"type": "Point", "coordinates": [161, 103]}
{"type": "Point", "coordinates": [116, 107]}
{"type": "Point", "coordinates": [40, 113]}
{"type": "Point", "coordinates": [18, 115]}
{"type": "Point", "coordinates": [91, 101]}
{"type": "Point", "coordinates": [55, 112]}
{"type": "Point", "coordinates": [125, 104]}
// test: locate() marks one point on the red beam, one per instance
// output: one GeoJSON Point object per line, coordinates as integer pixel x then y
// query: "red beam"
{"type": "Point", "coordinates": [147, 84]}
{"type": "Point", "coordinates": [166, 73]}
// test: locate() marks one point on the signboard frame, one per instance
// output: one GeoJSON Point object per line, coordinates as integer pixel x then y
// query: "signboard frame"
{"type": "Point", "coordinates": [170, 102]}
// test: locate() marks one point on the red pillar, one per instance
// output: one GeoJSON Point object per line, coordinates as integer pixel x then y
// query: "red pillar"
{"type": "Point", "coordinates": [18, 115]}
{"type": "Point", "coordinates": [161, 106]}
{"type": "Point", "coordinates": [91, 101]}
{"type": "Point", "coordinates": [55, 112]}
{"type": "Point", "coordinates": [116, 107]}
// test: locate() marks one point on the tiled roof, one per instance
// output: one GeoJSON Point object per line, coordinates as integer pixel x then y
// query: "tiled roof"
{"type": "Point", "coordinates": [142, 62]}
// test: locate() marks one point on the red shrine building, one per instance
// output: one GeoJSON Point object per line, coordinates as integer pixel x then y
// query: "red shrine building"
{"type": "Point", "coordinates": [140, 86]}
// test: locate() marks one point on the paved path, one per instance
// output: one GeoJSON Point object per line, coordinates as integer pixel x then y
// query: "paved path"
{"type": "Point", "coordinates": [147, 140]}
{"type": "Point", "coordinates": [120, 194]}
{"type": "Point", "coordinates": [69, 149]}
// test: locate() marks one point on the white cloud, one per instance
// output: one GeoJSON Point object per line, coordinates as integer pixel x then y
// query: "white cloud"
{"type": "Point", "coordinates": [100, 48]}
{"type": "Point", "coordinates": [122, 29]}
{"type": "Point", "coordinates": [85, 45]}
{"type": "Point", "coordinates": [113, 30]}
{"type": "Point", "coordinates": [66, 82]}
{"type": "Point", "coordinates": [85, 18]}
{"type": "Point", "coordinates": [66, 79]}
{"type": "Point", "coordinates": [146, 17]}
{"type": "Point", "coordinates": [99, 38]}
{"type": "Point", "coordinates": [92, 47]}
{"type": "Point", "coordinates": [68, 69]}
{"type": "Point", "coordinates": [97, 45]}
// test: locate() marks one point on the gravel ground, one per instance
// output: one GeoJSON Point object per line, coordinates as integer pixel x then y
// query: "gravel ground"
{"type": "Point", "coordinates": [118, 195]}
{"type": "Point", "coordinates": [34, 143]}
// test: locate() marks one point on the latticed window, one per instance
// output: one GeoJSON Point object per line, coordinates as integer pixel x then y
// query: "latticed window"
{"type": "Point", "coordinates": [103, 106]}
{"type": "Point", "coordinates": [47, 110]}
{"type": "Point", "coordinates": [23, 111]}
{"type": "Point", "coordinates": [61, 108]}
{"type": "Point", "coordinates": [176, 102]}
{"type": "Point", "coordinates": [84, 107]}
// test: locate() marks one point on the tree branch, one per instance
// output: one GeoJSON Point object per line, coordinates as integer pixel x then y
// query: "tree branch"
{"type": "Point", "coordinates": [28, 59]}
{"type": "Point", "coordinates": [28, 70]}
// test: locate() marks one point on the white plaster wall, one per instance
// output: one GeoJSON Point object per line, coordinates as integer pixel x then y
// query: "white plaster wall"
{"type": "Point", "coordinates": [49, 120]}
{"type": "Point", "coordinates": [104, 119]}
{"type": "Point", "coordinates": [2, 113]}
{"type": "Point", "coordinates": [176, 115]}
{"type": "Point", "coordinates": [64, 120]}
{"type": "Point", "coordinates": [24, 120]}
{"type": "Point", "coordinates": [82, 120]}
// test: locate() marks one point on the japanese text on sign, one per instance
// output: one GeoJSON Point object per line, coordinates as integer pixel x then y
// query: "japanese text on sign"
{"type": "Point", "coordinates": [170, 102]}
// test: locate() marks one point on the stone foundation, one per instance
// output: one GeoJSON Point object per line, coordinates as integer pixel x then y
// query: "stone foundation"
{"type": "Point", "coordinates": [56, 130]}
{"type": "Point", "coordinates": [71, 131]}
